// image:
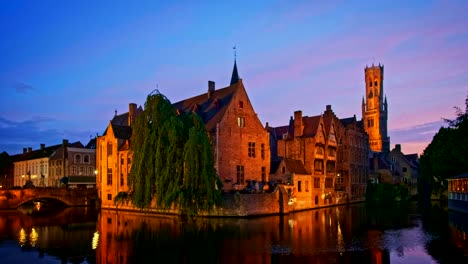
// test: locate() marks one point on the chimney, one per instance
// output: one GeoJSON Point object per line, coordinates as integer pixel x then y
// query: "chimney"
{"type": "Point", "coordinates": [328, 108]}
{"type": "Point", "coordinates": [29, 149]}
{"type": "Point", "coordinates": [42, 146]}
{"type": "Point", "coordinates": [25, 150]}
{"type": "Point", "coordinates": [132, 111]}
{"type": "Point", "coordinates": [211, 88]}
{"type": "Point", "coordinates": [398, 147]}
{"type": "Point", "coordinates": [65, 142]}
{"type": "Point", "coordinates": [298, 124]}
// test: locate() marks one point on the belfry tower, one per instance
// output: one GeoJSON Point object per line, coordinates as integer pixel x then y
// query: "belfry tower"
{"type": "Point", "coordinates": [375, 109]}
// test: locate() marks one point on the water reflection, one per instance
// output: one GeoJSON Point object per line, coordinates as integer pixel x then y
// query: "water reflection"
{"type": "Point", "coordinates": [59, 236]}
{"type": "Point", "coordinates": [346, 234]}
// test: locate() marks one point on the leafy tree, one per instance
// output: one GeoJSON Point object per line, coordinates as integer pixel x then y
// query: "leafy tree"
{"type": "Point", "coordinates": [172, 160]}
{"type": "Point", "coordinates": [446, 155]}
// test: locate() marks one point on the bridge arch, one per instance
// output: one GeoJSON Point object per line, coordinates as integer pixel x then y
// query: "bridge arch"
{"type": "Point", "coordinates": [45, 197]}
{"type": "Point", "coordinates": [11, 199]}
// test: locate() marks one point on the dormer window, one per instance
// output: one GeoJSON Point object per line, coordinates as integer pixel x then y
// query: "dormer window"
{"type": "Point", "coordinates": [241, 104]}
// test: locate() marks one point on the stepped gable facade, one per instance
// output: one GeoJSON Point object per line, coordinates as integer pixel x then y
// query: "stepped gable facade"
{"type": "Point", "coordinates": [113, 159]}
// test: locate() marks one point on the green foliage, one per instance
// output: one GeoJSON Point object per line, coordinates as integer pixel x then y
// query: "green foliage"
{"type": "Point", "coordinates": [445, 156]}
{"type": "Point", "coordinates": [172, 160]}
{"type": "Point", "coordinates": [386, 193]}
{"type": "Point", "coordinates": [121, 198]}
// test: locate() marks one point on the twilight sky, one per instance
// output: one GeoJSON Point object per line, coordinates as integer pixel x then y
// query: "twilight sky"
{"type": "Point", "coordinates": [66, 66]}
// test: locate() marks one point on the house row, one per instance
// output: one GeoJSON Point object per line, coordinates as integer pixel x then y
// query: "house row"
{"type": "Point", "coordinates": [318, 160]}
{"type": "Point", "coordinates": [70, 164]}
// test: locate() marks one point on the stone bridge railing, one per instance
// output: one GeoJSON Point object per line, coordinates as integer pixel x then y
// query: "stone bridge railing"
{"type": "Point", "coordinates": [11, 199]}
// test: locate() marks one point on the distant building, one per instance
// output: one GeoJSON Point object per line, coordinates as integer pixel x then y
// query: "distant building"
{"type": "Point", "coordinates": [404, 169]}
{"type": "Point", "coordinates": [6, 170]}
{"type": "Point", "coordinates": [51, 166]}
{"type": "Point", "coordinates": [353, 159]}
{"type": "Point", "coordinates": [73, 164]}
{"type": "Point", "coordinates": [375, 109]}
{"type": "Point", "coordinates": [33, 165]}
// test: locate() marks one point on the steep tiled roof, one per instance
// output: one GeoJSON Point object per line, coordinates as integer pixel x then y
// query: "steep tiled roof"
{"type": "Point", "coordinates": [39, 153]}
{"type": "Point", "coordinates": [210, 108]}
{"type": "Point", "coordinates": [58, 153]}
{"type": "Point", "coordinates": [278, 132]}
{"type": "Point", "coordinates": [295, 166]}
{"type": "Point", "coordinates": [91, 144]}
{"type": "Point", "coordinates": [274, 165]}
{"type": "Point", "coordinates": [347, 121]}
{"type": "Point", "coordinates": [122, 132]}
{"type": "Point", "coordinates": [311, 125]}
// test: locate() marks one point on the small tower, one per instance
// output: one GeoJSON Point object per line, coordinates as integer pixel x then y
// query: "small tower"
{"type": "Point", "coordinates": [375, 109]}
{"type": "Point", "coordinates": [235, 75]}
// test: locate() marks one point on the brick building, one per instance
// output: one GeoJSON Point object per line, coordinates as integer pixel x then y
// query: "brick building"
{"type": "Point", "coordinates": [240, 142]}
{"type": "Point", "coordinates": [113, 159]}
{"type": "Point", "coordinates": [311, 143]}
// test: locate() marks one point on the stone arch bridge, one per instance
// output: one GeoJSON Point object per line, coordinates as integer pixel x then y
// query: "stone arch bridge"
{"type": "Point", "coordinates": [11, 199]}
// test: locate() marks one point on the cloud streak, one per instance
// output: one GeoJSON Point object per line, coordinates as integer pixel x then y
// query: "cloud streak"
{"type": "Point", "coordinates": [22, 88]}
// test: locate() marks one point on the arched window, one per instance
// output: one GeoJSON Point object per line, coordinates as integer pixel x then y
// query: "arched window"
{"type": "Point", "coordinates": [370, 83]}
{"type": "Point", "coordinates": [375, 83]}
{"type": "Point", "coordinates": [86, 158]}
{"type": "Point", "coordinates": [77, 158]}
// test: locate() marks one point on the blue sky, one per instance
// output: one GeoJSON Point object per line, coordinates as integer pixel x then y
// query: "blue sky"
{"type": "Point", "coordinates": [67, 66]}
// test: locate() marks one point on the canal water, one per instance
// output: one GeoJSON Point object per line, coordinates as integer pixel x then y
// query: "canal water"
{"type": "Point", "coordinates": [344, 234]}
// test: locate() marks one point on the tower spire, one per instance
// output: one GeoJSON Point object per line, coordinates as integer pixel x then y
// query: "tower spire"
{"type": "Point", "coordinates": [235, 73]}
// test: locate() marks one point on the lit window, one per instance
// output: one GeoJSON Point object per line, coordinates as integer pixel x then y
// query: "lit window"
{"type": "Point", "coordinates": [252, 149]}
{"type": "Point", "coordinates": [109, 176]}
{"type": "Point", "coordinates": [241, 121]}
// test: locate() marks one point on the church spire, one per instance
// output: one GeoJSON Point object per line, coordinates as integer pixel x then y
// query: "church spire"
{"type": "Point", "coordinates": [235, 74]}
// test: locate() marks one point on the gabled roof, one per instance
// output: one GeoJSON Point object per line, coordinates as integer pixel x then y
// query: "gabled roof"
{"type": "Point", "coordinates": [43, 153]}
{"type": "Point", "coordinates": [91, 144]}
{"type": "Point", "coordinates": [121, 132]}
{"type": "Point", "coordinates": [210, 108]}
{"type": "Point", "coordinates": [295, 166]}
{"type": "Point", "coordinates": [59, 152]}
{"type": "Point", "coordinates": [311, 125]}
{"type": "Point", "coordinates": [278, 132]}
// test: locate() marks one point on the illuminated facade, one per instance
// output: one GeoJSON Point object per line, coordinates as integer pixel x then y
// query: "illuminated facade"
{"type": "Point", "coordinates": [240, 143]}
{"type": "Point", "coordinates": [375, 109]}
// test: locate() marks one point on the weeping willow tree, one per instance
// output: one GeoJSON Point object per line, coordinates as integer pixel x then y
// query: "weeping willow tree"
{"type": "Point", "coordinates": [172, 160]}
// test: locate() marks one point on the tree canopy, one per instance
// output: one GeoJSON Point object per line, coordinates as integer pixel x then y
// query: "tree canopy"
{"type": "Point", "coordinates": [172, 160]}
{"type": "Point", "coordinates": [447, 155]}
